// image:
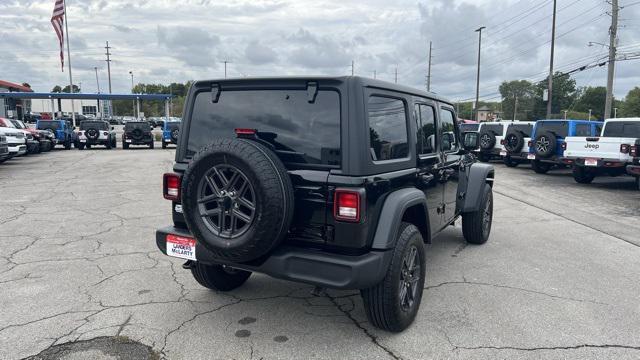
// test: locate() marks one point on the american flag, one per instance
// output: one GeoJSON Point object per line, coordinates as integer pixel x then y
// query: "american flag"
{"type": "Point", "coordinates": [57, 20]}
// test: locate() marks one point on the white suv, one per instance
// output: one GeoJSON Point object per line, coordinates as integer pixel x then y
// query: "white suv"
{"type": "Point", "coordinates": [490, 136]}
{"type": "Point", "coordinates": [609, 154]}
{"type": "Point", "coordinates": [515, 145]}
{"type": "Point", "coordinates": [96, 132]}
{"type": "Point", "coordinates": [16, 140]}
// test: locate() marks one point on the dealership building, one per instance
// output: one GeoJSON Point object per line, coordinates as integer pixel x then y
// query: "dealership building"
{"type": "Point", "coordinates": [10, 107]}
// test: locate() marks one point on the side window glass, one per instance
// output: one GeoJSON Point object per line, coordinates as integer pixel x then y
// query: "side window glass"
{"type": "Point", "coordinates": [387, 128]}
{"type": "Point", "coordinates": [447, 131]}
{"type": "Point", "coordinates": [598, 130]}
{"type": "Point", "coordinates": [427, 129]}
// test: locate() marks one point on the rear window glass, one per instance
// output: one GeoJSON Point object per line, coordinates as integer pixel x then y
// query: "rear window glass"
{"type": "Point", "coordinates": [469, 127]}
{"type": "Point", "coordinates": [387, 129]}
{"type": "Point", "coordinates": [628, 129]}
{"type": "Point", "coordinates": [137, 125]}
{"type": "Point", "coordinates": [301, 132]}
{"type": "Point", "coordinates": [492, 128]}
{"type": "Point", "coordinates": [173, 125]}
{"type": "Point", "coordinates": [53, 125]}
{"type": "Point", "coordinates": [98, 125]}
{"type": "Point", "coordinates": [523, 128]}
{"type": "Point", "coordinates": [560, 129]}
{"type": "Point", "coordinates": [583, 130]}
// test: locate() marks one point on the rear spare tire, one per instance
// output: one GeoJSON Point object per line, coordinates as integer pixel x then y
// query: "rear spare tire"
{"type": "Point", "coordinates": [514, 142]}
{"type": "Point", "coordinates": [545, 144]}
{"type": "Point", "coordinates": [237, 199]}
{"type": "Point", "coordinates": [487, 140]}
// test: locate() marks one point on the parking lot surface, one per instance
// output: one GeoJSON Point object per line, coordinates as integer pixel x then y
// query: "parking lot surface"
{"type": "Point", "coordinates": [559, 277]}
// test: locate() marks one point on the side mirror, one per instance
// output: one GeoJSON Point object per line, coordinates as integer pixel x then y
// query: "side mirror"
{"type": "Point", "coordinates": [470, 140]}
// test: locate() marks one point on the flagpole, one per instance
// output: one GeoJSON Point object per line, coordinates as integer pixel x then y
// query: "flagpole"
{"type": "Point", "coordinates": [66, 29]}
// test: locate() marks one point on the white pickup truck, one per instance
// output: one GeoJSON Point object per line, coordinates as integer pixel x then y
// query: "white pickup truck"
{"type": "Point", "coordinates": [608, 154]}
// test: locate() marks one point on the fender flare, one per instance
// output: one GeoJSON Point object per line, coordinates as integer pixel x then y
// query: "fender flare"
{"type": "Point", "coordinates": [479, 175]}
{"type": "Point", "coordinates": [395, 205]}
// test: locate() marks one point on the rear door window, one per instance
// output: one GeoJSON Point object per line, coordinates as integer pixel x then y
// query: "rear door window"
{"type": "Point", "coordinates": [627, 129]}
{"type": "Point", "coordinates": [387, 128]}
{"type": "Point", "coordinates": [98, 125]}
{"type": "Point", "coordinates": [301, 132]}
{"type": "Point", "coordinates": [497, 129]}
{"type": "Point", "coordinates": [469, 127]}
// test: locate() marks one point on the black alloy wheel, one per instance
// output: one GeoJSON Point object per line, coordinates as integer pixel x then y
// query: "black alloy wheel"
{"type": "Point", "coordinates": [226, 201]}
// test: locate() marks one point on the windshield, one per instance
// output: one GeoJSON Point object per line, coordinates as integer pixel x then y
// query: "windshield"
{"type": "Point", "coordinates": [558, 128]}
{"type": "Point", "coordinates": [469, 127]}
{"type": "Point", "coordinates": [43, 125]}
{"type": "Point", "coordinates": [98, 125]}
{"type": "Point", "coordinates": [18, 124]}
{"type": "Point", "coordinates": [627, 129]}
{"type": "Point", "coordinates": [7, 123]}
{"type": "Point", "coordinates": [301, 132]}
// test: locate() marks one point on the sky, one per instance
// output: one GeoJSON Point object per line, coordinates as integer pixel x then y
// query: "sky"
{"type": "Point", "coordinates": [164, 41]}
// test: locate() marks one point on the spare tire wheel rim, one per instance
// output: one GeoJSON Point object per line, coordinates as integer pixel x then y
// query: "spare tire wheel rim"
{"type": "Point", "coordinates": [542, 145]}
{"type": "Point", "coordinates": [174, 134]}
{"type": "Point", "coordinates": [226, 201]}
{"type": "Point", "coordinates": [409, 278]}
{"type": "Point", "coordinates": [485, 141]}
{"type": "Point", "coordinates": [512, 142]}
{"type": "Point", "coordinates": [92, 133]}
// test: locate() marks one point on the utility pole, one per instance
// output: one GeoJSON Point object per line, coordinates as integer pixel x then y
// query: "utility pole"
{"type": "Point", "coordinates": [590, 114]}
{"type": "Point", "coordinates": [479, 31]}
{"type": "Point", "coordinates": [553, 48]}
{"type": "Point", "coordinates": [133, 101]}
{"type": "Point", "coordinates": [515, 108]}
{"type": "Point", "coordinates": [429, 71]}
{"type": "Point", "coordinates": [613, 35]}
{"type": "Point", "coordinates": [353, 70]}
{"type": "Point", "coordinates": [396, 76]}
{"type": "Point", "coordinates": [99, 110]}
{"type": "Point", "coordinates": [225, 68]}
{"type": "Point", "coordinates": [109, 76]}
{"type": "Point", "coordinates": [615, 113]}
{"type": "Point", "coordinates": [565, 114]}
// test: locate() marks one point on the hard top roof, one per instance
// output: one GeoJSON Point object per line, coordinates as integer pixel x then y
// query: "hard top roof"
{"type": "Point", "coordinates": [364, 81]}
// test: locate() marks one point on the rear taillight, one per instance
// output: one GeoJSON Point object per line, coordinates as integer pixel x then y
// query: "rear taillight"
{"type": "Point", "coordinates": [530, 143]}
{"type": "Point", "coordinates": [502, 142]}
{"type": "Point", "coordinates": [171, 186]}
{"type": "Point", "coordinates": [246, 131]}
{"type": "Point", "coordinates": [564, 146]}
{"type": "Point", "coordinates": [625, 148]}
{"type": "Point", "coordinates": [633, 151]}
{"type": "Point", "coordinates": [106, 133]}
{"type": "Point", "coordinates": [346, 205]}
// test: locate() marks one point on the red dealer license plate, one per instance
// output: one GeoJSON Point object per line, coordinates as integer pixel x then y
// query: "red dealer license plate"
{"type": "Point", "coordinates": [181, 247]}
{"type": "Point", "coordinates": [590, 162]}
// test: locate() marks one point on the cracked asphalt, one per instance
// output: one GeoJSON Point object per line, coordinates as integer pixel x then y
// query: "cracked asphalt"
{"type": "Point", "coordinates": [559, 277]}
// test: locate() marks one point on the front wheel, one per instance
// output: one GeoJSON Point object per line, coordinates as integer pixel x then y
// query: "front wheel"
{"type": "Point", "coordinates": [151, 145]}
{"type": "Point", "coordinates": [108, 144]}
{"type": "Point", "coordinates": [67, 145]}
{"type": "Point", "coordinates": [476, 226]}
{"type": "Point", "coordinates": [164, 145]}
{"type": "Point", "coordinates": [218, 277]}
{"type": "Point", "coordinates": [583, 175]}
{"type": "Point", "coordinates": [125, 145]}
{"type": "Point", "coordinates": [392, 304]}
{"type": "Point", "coordinates": [81, 146]}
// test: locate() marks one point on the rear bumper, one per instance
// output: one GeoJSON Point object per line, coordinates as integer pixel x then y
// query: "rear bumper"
{"type": "Point", "coordinates": [17, 150]}
{"type": "Point", "coordinates": [88, 141]}
{"type": "Point", "coordinates": [602, 163]}
{"type": "Point", "coordinates": [304, 265]}
{"type": "Point", "coordinates": [138, 141]}
{"type": "Point", "coordinates": [516, 156]}
{"type": "Point", "coordinates": [555, 159]}
{"type": "Point", "coordinates": [633, 170]}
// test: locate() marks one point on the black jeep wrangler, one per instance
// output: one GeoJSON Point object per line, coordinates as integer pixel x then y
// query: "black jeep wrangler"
{"type": "Point", "coordinates": [137, 133]}
{"type": "Point", "coordinates": [334, 182]}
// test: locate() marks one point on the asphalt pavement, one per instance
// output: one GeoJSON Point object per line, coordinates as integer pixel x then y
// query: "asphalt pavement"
{"type": "Point", "coordinates": [81, 277]}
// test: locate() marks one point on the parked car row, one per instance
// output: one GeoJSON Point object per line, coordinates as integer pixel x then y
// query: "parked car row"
{"type": "Point", "coordinates": [136, 133]}
{"type": "Point", "coordinates": [16, 139]}
{"type": "Point", "coordinates": [590, 148]}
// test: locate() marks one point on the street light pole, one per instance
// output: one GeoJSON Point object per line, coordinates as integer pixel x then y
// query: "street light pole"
{"type": "Point", "coordinates": [613, 35]}
{"type": "Point", "coordinates": [479, 31]}
{"type": "Point", "coordinates": [133, 101]}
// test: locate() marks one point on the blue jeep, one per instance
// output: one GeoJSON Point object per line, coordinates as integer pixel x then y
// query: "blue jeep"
{"type": "Point", "coordinates": [547, 141]}
{"type": "Point", "coordinates": [62, 129]}
{"type": "Point", "coordinates": [170, 132]}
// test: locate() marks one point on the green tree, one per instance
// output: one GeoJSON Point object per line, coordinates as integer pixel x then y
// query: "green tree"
{"type": "Point", "coordinates": [631, 104]}
{"type": "Point", "coordinates": [524, 92]}
{"type": "Point", "coordinates": [591, 98]}
{"type": "Point", "coordinates": [56, 89]}
{"type": "Point", "coordinates": [563, 96]}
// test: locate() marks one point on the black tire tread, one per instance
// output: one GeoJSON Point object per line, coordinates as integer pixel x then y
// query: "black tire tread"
{"type": "Point", "coordinates": [215, 278]}
{"type": "Point", "coordinates": [380, 301]}
{"type": "Point", "coordinates": [472, 222]}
